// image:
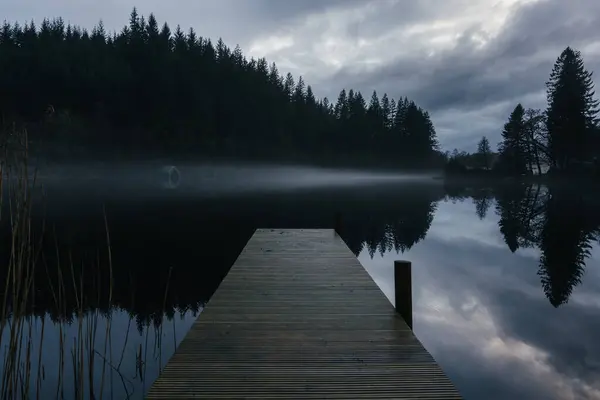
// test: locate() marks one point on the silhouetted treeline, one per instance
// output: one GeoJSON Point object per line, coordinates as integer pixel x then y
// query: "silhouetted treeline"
{"type": "Point", "coordinates": [149, 90]}
{"type": "Point", "coordinates": [565, 138]}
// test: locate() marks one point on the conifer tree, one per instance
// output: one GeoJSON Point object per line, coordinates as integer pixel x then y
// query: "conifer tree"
{"type": "Point", "coordinates": [386, 112]}
{"type": "Point", "coordinates": [484, 152]}
{"type": "Point", "coordinates": [289, 85]}
{"type": "Point", "coordinates": [310, 97]}
{"type": "Point", "coordinates": [393, 109]}
{"type": "Point", "coordinates": [341, 106]}
{"type": "Point", "coordinates": [299, 95]}
{"type": "Point", "coordinates": [511, 151]}
{"type": "Point", "coordinates": [571, 112]}
{"type": "Point", "coordinates": [375, 115]}
{"type": "Point", "coordinates": [146, 88]}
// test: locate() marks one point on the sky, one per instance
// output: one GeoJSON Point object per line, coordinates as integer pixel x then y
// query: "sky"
{"type": "Point", "coordinates": [468, 62]}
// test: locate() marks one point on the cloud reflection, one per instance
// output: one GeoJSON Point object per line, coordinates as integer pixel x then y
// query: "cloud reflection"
{"type": "Point", "coordinates": [479, 310]}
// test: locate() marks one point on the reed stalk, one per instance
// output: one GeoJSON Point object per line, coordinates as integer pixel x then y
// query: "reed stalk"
{"type": "Point", "coordinates": [22, 333]}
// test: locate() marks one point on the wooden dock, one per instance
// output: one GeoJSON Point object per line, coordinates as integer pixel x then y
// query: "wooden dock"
{"type": "Point", "coordinates": [299, 317]}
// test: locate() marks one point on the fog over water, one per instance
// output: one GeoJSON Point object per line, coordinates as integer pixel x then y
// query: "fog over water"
{"type": "Point", "coordinates": [210, 180]}
{"type": "Point", "coordinates": [505, 277]}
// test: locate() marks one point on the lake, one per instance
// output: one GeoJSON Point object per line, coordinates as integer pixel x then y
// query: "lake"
{"type": "Point", "coordinates": [506, 278]}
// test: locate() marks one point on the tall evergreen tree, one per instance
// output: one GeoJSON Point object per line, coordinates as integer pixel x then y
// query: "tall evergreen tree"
{"type": "Point", "coordinates": [393, 109]}
{"type": "Point", "coordinates": [374, 107]}
{"type": "Point", "coordinates": [310, 97]}
{"type": "Point", "coordinates": [400, 117]}
{"type": "Point", "coordinates": [484, 152]}
{"type": "Point", "coordinates": [341, 106]}
{"type": "Point", "coordinates": [429, 140]}
{"type": "Point", "coordinates": [572, 111]}
{"type": "Point", "coordinates": [512, 159]}
{"type": "Point", "coordinates": [375, 115]}
{"type": "Point", "coordinates": [289, 85]}
{"type": "Point", "coordinates": [299, 95]}
{"type": "Point", "coordinates": [274, 78]}
{"type": "Point", "coordinates": [386, 111]}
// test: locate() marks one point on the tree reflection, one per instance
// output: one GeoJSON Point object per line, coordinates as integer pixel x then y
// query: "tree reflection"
{"type": "Point", "coordinates": [482, 205]}
{"type": "Point", "coordinates": [565, 242]}
{"type": "Point", "coordinates": [167, 261]}
{"type": "Point", "coordinates": [398, 227]}
{"type": "Point", "coordinates": [562, 222]}
{"type": "Point", "coordinates": [520, 209]}
{"type": "Point", "coordinates": [558, 221]}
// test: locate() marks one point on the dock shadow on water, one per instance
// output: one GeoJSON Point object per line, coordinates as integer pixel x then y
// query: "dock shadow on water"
{"type": "Point", "coordinates": [104, 273]}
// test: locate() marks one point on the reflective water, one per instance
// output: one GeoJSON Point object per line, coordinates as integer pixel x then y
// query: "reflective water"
{"type": "Point", "coordinates": [506, 279]}
{"type": "Point", "coordinates": [487, 314]}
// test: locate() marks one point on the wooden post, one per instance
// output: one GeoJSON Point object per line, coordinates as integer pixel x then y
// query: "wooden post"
{"type": "Point", "coordinates": [403, 290]}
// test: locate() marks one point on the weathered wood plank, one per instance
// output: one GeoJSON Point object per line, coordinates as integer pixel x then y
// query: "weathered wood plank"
{"type": "Point", "coordinates": [299, 317]}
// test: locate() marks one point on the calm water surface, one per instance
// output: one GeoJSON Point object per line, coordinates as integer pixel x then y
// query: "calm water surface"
{"type": "Point", "coordinates": [485, 315]}
{"type": "Point", "coordinates": [506, 280]}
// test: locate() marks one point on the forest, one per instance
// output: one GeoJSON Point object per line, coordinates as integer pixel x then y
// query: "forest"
{"type": "Point", "coordinates": [564, 138]}
{"type": "Point", "coordinates": [150, 91]}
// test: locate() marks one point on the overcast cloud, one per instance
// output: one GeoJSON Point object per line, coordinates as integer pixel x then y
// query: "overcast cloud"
{"type": "Point", "coordinates": [467, 61]}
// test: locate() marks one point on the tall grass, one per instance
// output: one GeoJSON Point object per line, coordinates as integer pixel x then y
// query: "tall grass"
{"type": "Point", "coordinates": [16, 188]}
{"type": "Point", "coordinates": [88, 354]}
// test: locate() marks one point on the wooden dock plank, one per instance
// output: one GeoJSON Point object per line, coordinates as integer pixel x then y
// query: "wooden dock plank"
{"type": "Point", "coordinates": [298, 316]}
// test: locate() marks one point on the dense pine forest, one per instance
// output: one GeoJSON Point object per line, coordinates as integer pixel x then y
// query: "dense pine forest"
{"type": "Point", "coordinates": [148, 90]}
